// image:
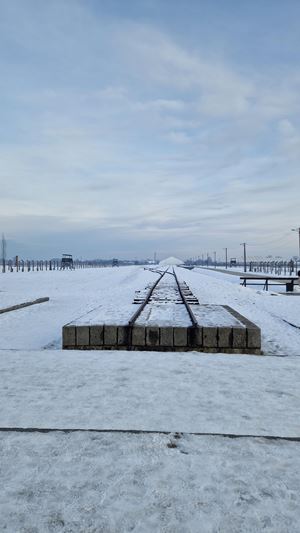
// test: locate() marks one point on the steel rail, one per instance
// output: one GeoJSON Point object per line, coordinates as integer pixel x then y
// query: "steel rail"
{"type": "Point", "coordinates": [187, 306]}
{"type": "Point", "coordinates": [155, 271]}
{"type": "Point", "coordinates": [140, 309]}
{"type": "Point", "coordinates": [158, 271]}
{"type": "Point", "coordinates": [144, 303]}
{"type": "Point", "coordinates": [172, 434]}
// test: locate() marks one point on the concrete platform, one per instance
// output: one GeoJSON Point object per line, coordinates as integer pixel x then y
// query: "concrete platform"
{"type": "Point", "coordinates": [220, 329]}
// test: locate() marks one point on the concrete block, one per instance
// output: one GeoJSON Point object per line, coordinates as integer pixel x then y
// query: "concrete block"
{"type": "Point", "coordinates": [123, 335]}
{"type": "Point", "coordinates": [199, 336]}
{"type": "Point", "coordinates": [110, 335]}
{"type": "Point", "coordinates": [82, 335]}
{"type": "Point", "coordinates": [152, 336]}
{"type": "Point", "coordinates": [96, 335]}
{"type": "Point", "coordinates": [138, 336]}
{"type": "Point", "coordinates": [253, 337]}
{"type": "Point", "coordinates": [239, 337]}
{"type": "Point", "coordinates": [195, 337]}
{"type": "Point", "coordinates": [224, 337]}
{"type": "Point", "coordinates": [240, 317]}
{"type": "Point", "coordinates": [180, 336]}
{"type": "Point", "coordinates": [69, 336]}
{"type": "Point", "coordinates": [210, 337]}
{"type": "Point", "coordinates": [166, 336]}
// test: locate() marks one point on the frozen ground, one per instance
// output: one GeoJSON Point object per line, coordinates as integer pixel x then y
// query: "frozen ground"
{"type": "Point", "coordinates": [151, 391]}
{"type": "Point", "coordinates": [72, 294]}
{"type": "Point", "coordinates": [111, 483]}
{"type": "Point", "coordinates": [277, 315]}
{"type": "Point", "coordinates": [239, 271]}
{"type": "Point", "coordinates": [109, 293]}
{"type": "Point", "coordinates": [119, 482]}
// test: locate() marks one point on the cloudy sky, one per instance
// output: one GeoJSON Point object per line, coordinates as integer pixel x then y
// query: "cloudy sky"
{"type": "Point", "coordinates": [135, 126]}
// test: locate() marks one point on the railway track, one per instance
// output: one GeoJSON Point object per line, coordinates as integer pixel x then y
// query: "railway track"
{"type": "Point", "coordinates": [165, 294]}
{"type": "Point", "coordinates": [167, 301]}
{"type": "Point", "coordinates": [168, 317]}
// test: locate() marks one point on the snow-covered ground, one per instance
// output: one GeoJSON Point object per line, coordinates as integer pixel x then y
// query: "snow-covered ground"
{"type": "Point", "coordinates": [109, 293]}
{"type": "Point", "coordinates": [113, 482]}
{"type": "Point", "coordinates": [72, 294]}
{"type": "Point", "coordinates": [273, 313]}
{"type": "Point", "coordinates": [239, 271]}
{"type": "Point", "coordinates": [184, 392]}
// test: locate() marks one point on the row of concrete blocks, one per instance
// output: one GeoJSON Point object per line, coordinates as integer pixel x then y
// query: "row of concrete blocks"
{"type": "Point", "coordinates": [206, 339]}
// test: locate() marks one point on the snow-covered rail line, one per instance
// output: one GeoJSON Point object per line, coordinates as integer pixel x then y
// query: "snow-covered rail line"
{"type": "Point", "coordinates": [177, 434]}
{"type": "Point", "coordinates": [169, 318]}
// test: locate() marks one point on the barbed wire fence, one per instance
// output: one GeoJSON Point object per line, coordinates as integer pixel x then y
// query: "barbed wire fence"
{"type": "Point", "coordinates": [32, 265]}
{"type": "Point", "coordinates": [275, 267]}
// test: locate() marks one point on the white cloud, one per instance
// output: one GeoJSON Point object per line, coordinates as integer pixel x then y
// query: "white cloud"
{"type": "Point", "coordinates": [286, 128]}
{"type": "Point", "coordinates": [120, 126]}
{"type": "Point", "coordinates": [218, 88]}
{"type": "Point", "coordinates": [178, 137]}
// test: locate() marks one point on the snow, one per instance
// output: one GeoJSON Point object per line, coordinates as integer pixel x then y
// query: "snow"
{"type": "Point", "coordinates": [268, 311]}
{"type": "Point", "coordinates": [162, 312]}
{"type": "Point", "coordinates": [108, 294]}
{"type": "Point", "coordinates": [257, 284]}
{"type": "Point", "coordinates": [151, 391]}
{"type": "Point", "coordinates": [169, 261]}
{"type": "Point", "coordinates": [90, 482]}
{"type": "Point", "coordinates": [164, 315]}
{"type": "Point", "coordinates": [213, 315]}
{"type": "Point", "coordinates": [72, 294]}
{"type": "Point", "coordinates": [116, 315]}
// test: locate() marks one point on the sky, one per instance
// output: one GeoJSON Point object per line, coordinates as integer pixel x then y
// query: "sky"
{"type": "Point", "coordinates": [130, 127]}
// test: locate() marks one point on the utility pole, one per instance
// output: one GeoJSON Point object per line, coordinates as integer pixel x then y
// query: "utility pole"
{"type": "Point", "coordinates": [298, 230]}
{"type": "Point", "coordinates": [245, 256]}
{"type": "Point", "coordinates": [226, 257]}
{"type": "Point", "coordinates": [3, 250]}
{"type": "Point", "coordinates": [207, 259]}
{"type": "Point", "coordinates": [215, 260]}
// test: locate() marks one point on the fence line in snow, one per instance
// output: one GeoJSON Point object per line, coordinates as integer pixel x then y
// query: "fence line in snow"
{"type": "Point", "coordinates": [275, 267]}
{"type": "Point", "coordinates": [31, 265]}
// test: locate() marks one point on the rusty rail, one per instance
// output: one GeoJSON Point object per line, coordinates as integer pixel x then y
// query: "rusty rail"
{"type": "Point", "coordinates": [144, 303]}
{"type": "Point", "coordinates": [187, 306]}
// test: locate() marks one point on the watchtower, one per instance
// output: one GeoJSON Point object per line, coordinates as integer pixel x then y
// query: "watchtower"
{"type": "Point", "coordinates": [66, 262]}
